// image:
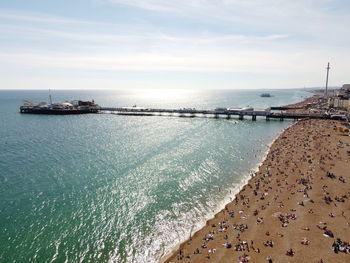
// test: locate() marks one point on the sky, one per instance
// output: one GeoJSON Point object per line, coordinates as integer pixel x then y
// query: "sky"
{"type": "Point", "coordinates": [182, 44]}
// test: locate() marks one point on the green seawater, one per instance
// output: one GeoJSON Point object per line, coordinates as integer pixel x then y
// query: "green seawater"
{"type": "Point", "coordinates": [109, 188]}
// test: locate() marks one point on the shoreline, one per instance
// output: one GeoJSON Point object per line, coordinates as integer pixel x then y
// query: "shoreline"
{"type": "Point", "coordinates": [186, 251]}
{"type": "Point", "coordinates": [245, 180]}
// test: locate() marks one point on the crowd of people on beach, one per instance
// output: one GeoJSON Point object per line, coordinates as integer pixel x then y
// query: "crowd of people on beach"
{"type": "Point", "coordinates": [340, 246]}
{"type": "Point", "coordinates": [293, 182]}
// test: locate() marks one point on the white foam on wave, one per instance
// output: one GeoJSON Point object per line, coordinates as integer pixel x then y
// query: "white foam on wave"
{"type": "Point", "coordinates": [231, 192]}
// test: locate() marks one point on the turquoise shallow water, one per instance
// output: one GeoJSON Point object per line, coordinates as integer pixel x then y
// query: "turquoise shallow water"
{"type": "Point", "coordinates": [108, 188]}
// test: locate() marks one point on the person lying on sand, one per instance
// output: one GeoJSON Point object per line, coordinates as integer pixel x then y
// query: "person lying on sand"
{"type": "Point", "coordinates": [305, 241]}
{"type": "Point", "coordinates": [290, 253]}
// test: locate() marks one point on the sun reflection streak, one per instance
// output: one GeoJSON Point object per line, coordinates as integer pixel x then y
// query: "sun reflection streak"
{"type": "Point", "coordinates": [164, 94]}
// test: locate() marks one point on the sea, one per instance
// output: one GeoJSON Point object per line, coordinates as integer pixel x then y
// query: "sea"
{"type": "Point", "coordinates": [111, 188]}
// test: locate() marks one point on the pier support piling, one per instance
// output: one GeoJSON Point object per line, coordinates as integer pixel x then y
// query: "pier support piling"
{"type": "Point", "coordinates": [267, 118]}
{"type": "Point", "coordinates": [240, 116]}
{"type": "Point", "coordinates": [254, 117]}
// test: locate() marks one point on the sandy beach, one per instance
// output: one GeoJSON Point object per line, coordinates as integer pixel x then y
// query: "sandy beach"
{"type": "Point", "coordinates": [294, 209]}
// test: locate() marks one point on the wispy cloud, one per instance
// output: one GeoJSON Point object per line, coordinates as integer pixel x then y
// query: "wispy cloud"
{"type": "Point", "coordinates": [268, 37]}
{"type": "Point", "coordinates": [36, 32]}
{"type": "Point", "coordinates": [231, 8]}
{"type": "Point", "coordinates": [11, 15]}
{"type": "Point", "coordinates": [156, 5]}
{"type": "Point", "coordinates": [307, 16]}
{"type": "Point", "coordinates": [149, 51]}
{"type": "Point", "coordinates": [249, 60]}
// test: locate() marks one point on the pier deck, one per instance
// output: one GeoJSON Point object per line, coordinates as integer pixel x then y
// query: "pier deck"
{"type": "Point", "coordinates": [240, 113]}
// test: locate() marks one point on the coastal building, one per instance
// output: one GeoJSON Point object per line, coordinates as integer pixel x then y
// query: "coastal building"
{"type": "Point", "coordinates": [346, 87]}
{"type": "Point", "coordinates": [341, 100]}
{"type": "Point", "coordinates": [338, 102]}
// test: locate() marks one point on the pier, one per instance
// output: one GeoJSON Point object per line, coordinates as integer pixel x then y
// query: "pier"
{"type": "Point", "coordinates": [81, 107]}
{"type": "Point", "coordinates": [228, 113]}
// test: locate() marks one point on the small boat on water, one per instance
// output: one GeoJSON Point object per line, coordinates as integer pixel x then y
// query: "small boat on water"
{"type": "Point", "coordinates": [265, 95]}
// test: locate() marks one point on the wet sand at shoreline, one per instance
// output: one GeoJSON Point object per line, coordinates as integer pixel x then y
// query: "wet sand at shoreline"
{"type": "Point", "coordinates": [299, 200]}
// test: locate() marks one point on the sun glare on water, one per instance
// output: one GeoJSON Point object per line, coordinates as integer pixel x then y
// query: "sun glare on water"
{"type": "Point", "coordinates": [164, 95]}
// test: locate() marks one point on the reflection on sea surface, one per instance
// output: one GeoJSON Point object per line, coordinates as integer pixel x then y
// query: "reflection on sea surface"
{"type": "Point", "coordinates": [108, 188]}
